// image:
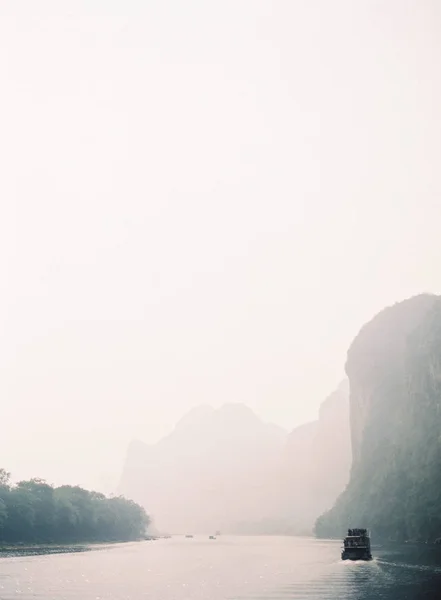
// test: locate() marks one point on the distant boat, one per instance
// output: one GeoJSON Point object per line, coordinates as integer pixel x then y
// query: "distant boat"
{"type": "Point", "coordinates": [189, 536]}
{"type": "Point", "coordinates": [212, 537]}
{"type": "Point", "coordinates": [357, 545]}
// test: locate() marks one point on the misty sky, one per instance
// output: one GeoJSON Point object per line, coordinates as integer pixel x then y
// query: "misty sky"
{"type": "Point", "coordinates": [202, 202]}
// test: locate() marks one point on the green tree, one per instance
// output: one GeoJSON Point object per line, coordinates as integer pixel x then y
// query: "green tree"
{"type": "Point", "coordinates": [34, 511]}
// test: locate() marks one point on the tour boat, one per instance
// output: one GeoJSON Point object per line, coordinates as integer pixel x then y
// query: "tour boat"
{"type": "Point", "coordinates": [357, 545]}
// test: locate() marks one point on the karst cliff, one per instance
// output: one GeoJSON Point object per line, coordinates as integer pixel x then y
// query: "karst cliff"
{"type": "Point", "coordinates": [394, 370]}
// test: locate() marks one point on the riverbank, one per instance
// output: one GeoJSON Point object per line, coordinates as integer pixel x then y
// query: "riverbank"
{"type": "Point", "coordinates": [36, 549]}
{"type": "Point", "coordinates": [25, 549]}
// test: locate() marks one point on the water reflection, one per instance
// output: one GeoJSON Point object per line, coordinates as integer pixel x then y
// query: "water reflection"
{"type": "Point", "coordinates": [230, 569]}
{"type": "Point", "coordinates": [375, 580]}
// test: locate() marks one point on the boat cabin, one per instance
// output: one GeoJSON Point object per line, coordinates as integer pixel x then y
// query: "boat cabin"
{"type": "Point", "coordinates": [357, 545]}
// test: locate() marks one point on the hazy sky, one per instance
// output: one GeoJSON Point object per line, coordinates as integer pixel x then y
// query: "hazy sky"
{"type": "Point", "coordinates": [202, 202]}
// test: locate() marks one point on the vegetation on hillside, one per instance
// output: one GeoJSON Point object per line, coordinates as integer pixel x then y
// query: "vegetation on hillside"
{"type": "Point", "coordinates": [395, 486]}
{"type": "Point", "coordinates": [35, 512]}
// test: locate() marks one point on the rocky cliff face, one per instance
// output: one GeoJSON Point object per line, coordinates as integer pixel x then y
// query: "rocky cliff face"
{"type": "Point", "coordinates": [226, 469]}
{"type": "Point", "coordinates": [394, 369]}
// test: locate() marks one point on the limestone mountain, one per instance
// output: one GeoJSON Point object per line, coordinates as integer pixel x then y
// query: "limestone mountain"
{"type": "Point", "coordinates": [317, 462]}
{"type": "Point", "coordinates": [394, 370]}
{"type": "Point", "coordinates": [226, 469]}
{"type": "Point", "coordinates": [214, 469]}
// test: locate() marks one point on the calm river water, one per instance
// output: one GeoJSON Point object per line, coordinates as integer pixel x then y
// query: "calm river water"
{"type": "Point", "coordinates": [229, 568]}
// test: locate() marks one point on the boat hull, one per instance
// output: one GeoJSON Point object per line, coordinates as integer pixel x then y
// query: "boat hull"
{"type": "Point", "coordinates": [356, 555]}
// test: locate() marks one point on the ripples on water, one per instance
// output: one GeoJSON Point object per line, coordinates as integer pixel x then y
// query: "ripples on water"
{"type": "Point", "coordinates": [222, 569]}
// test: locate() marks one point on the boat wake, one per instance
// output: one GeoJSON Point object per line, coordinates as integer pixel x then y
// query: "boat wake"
{"type": "Point", "coordinates": [351, 563]}
{"type": "Point", "coordinates": [400, 565]}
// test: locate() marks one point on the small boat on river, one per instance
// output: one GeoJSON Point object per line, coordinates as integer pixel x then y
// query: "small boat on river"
{"type": "Point", "coordinates": [357, 545]}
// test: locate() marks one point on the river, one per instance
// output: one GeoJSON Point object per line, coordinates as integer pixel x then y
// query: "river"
{"type": "Point", "coordinates": [229, 568]}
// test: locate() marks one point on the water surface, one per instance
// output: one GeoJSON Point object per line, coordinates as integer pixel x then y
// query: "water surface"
{"type": "Point", "coordinates": [229, 568]}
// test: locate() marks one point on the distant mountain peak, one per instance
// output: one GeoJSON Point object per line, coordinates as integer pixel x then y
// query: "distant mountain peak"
{"type": "Point", "coordinates": [195, 416]}
{"type": "Point", "coordinates": [230, 413]}
{"type": "Point", "coordinates": [238, 412]}
{"type": "Point", "coordinates": [222, 466]}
